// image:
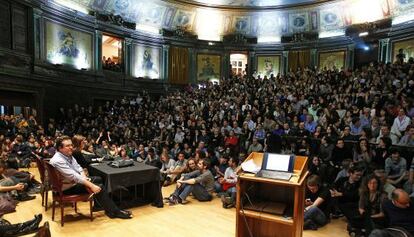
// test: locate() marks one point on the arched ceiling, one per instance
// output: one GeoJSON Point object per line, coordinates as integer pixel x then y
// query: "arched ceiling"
{"type": "Point", "coordinates": [253, 4]}
{"type": "Point", "coordinates": [261, 18]}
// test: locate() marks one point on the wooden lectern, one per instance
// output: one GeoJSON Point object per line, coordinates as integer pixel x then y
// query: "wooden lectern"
{"type": "Point", "coordinates": [251, 189]}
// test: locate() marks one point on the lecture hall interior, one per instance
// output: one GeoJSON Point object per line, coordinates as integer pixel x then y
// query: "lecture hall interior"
{"type": "Point", "coordinates": [198, 118]}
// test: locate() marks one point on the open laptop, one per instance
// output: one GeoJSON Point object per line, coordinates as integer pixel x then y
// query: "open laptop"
{"type": "Point", "coordinates": [277, 166]}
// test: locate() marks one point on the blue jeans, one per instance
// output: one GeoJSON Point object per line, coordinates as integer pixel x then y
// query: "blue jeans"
{"type": "Point", "coordinates": [316, 215]}
{"type": "Point", "coordinates": [218, 187]}
{"type": "Point", "coordinates": [198, 190]}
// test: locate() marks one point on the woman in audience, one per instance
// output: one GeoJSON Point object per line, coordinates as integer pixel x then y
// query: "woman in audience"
{"type": "Point", "coordinates": [191, 166]}
{"type": "Point", "coordinates": [316, 167]}
{"type": "Point", "coordinates": [123, 154]}
{"type": "Point", "coordinates": [371, 197]}
{"type": "Point", "coordinates": [362, 153]}
{"type": "Point", "coordinates": [381, 152]}
{"type": "Point", "coordinates": [78, 142]}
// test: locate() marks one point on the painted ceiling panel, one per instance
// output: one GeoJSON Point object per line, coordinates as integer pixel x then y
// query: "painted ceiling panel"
{"type": "Point", "coordinates": [253, 3]}
{"type": "Point", "coordinates": [324, 16]}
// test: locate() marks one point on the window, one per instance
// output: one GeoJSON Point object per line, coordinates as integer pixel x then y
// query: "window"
{"type": "Point", "coordinates": [238, 64]}
{"type": "Point", "coordinates": [112, 53]}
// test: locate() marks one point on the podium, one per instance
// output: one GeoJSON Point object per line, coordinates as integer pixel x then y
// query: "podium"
{"type": "Point", "coordinates": [291, 194]}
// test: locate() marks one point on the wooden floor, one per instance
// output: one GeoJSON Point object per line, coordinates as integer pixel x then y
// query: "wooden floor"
{"type": "Point", "coordinates": [195, 219]}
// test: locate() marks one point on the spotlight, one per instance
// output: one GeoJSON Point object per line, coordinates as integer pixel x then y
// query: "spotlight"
{"type": "Point", "coordinates": [365, 48]}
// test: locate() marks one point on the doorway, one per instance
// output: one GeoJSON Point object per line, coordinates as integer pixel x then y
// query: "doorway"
{"type": "Point", "coordinates": [238, 63]}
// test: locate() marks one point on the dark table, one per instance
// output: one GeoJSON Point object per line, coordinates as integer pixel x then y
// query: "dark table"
{"type": "Point", "coordinates": [139, 174]}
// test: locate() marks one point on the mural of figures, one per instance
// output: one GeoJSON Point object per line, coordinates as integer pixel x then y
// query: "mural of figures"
{"type": "Point", "coordinates": [146, 62]}
{"type": "Point", "coordinates": [68, 46]}
{"type": "Point", "coordinates": [332, 59]}
{"type": "Point", "coordinates": [97, 4]}
{"type": "Point", "coordinates": [265, 25]}
{"type": "Point", "coordinates": [208, 67]}
{"type": "Point", "coordinates": [252, 3]}
{"type": "Point", "coordinates": [403, 49]}
{"type": "Point", "coordinates": [151, 14]}
{"type": "Point", "coordinates": [168, 16]}
{"type": "Point", "coordinates": [241, 24]}
{"type": "Point", "coordinates": [298, 22]}
{"type": "Point", "coordinates": [183, 19]}
{"type": "Point", "coordinates": [330, 19]}
{"type": "Point", "coordinates": [401, 7]}
{"type": "Point", "coordinates": [268, 65]}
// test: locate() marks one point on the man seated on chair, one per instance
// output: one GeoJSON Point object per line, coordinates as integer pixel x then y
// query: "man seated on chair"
{"type": "Point", "coordinates": [76, 182]}
{"type": "Point", "coordinates": [399, 212]}
{"type": "Point", "coordinates": [199, 182]}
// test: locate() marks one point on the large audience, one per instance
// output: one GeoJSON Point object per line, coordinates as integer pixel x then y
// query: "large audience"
{"type": "Point", "coordinates": [356, 126]}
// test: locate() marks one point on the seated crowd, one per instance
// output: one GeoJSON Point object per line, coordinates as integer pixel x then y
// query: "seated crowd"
{"type": "Point", "coordinates": [110, 64]}
{"type": "Point", "coordinates": [355, 126]}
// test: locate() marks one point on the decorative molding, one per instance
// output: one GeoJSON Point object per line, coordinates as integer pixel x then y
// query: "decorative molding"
{"type": "Point", "coordinates": [239, 39]}
{"type": "Point", "coordinates": [180, 32]}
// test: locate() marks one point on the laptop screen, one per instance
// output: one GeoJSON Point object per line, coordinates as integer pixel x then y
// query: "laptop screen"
{"type": "Point", "coordinates": [278, 162]}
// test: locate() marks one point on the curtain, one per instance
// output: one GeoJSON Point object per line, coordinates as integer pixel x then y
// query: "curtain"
{"type": "Point", "coordinates": [178, 65]}
{"type": "Point", "coordinates": [299, 59]}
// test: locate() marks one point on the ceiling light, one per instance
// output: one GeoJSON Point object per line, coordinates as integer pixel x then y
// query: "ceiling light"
{"type": "Point", "coordinates": [362, 34]}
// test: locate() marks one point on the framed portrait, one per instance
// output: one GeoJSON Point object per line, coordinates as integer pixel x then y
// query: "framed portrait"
{"type": "Point", "coordinates": [146, 62]}
{"type": "Point", "coordinates": [208, 67]}
{"type": "Point", "coordinates": [68, 46]}
{"type": "Point", "coordinates": [268, 65]}
{"type": "Point", "coordinates": [331, 59]}
{"type": "Point", "coordinates": [404, 47]}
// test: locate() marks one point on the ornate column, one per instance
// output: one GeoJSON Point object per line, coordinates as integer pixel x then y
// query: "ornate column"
{"type": "Point", "coordinates": [384, 54]}
{"type": "Point", "coordinates": [127, 51]}
{"type": "Point", "coordinates": [98, 52]}
{"type": "Point", "coordinates": [39, 43]}
{"type": "Point", "coordinates": [350, 55]}
{"type": "Point", "coordinates": [314, 58]}
{"type": "Point", "coordinates": [165, 62]}
{"type": "Point", "coordinates": [225, 65]}
{"type": "Point", "coordinates": [192, 71]}
{"type": "Point", "coordinates": [252, 63]}
{"type": "Point", "coordinates": [285, 62]}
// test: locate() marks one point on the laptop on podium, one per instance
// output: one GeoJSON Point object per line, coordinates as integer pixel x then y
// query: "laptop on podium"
{"type": "Point", "coordinates": [277, 166]}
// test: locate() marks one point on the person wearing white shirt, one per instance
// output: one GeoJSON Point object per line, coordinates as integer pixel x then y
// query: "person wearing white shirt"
{"type": "Point", "coordinates": [400, 123]}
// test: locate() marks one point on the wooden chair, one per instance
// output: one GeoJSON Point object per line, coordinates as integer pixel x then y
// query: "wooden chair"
{"type": "Point", "coordinates": [56, 184]}
{"type": "Point", "coordinates": [45, 187]}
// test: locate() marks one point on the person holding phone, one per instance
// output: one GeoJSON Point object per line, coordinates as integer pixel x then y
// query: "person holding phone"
{"type": "Point", "coordinates": [317, 199]}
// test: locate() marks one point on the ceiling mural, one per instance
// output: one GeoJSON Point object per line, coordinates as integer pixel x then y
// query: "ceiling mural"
{"type": "Point", "coordinates": [325, 16]}
{"type": "Point", "coordinates": [253, 3]}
